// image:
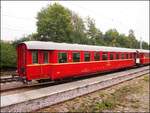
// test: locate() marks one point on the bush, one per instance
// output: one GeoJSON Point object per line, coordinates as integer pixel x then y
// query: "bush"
{"type": "Point", "coordinates": [7, 55]}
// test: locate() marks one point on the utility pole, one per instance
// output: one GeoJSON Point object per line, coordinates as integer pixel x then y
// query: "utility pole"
{"type": "Point", "coordinates": [140, 42]}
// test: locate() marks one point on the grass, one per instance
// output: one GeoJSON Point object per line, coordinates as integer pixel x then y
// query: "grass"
{"type": "Point", "coordinates": [135, 105]}
{"type": "Point", "coordinates": [114, 99]}
{"type": "Point", "coordinates": [109, 101]}
{"type": "Point", "coordinates": [146, 78]}
{"type": "Point", "coordinates": [105, 104]}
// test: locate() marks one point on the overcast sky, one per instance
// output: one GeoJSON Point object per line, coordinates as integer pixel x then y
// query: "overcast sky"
{"type": "Point", "coordinates": [18, 18]}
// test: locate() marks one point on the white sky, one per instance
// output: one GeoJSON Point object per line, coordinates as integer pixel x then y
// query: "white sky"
{"type": "Point", "coordinates": [18, 18]}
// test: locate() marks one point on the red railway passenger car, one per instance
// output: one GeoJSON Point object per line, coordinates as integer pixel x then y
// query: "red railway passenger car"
{"type": "Point", "coordinates": [144, 56]}
{"type": "Point", "coordinates": [49, 60]}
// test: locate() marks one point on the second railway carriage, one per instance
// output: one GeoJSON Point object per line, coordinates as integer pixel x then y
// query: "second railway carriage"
{"type": "Point", "coordinates": [144, 56]}
{"type": "Point", "coordinates": [50, 60]}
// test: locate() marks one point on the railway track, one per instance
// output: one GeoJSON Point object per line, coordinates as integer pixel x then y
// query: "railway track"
{"type": "Point", "coordinates": [13, 82]}
{"type": "Point", "coordinates": [9, 78]}
{"type": "Point", "coordinates": [39, 98]}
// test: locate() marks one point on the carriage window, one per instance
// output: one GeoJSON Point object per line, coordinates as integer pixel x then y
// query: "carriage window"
{"type": "Point", "coordinates": [76, 57]}
{"type": "Point", "coordinates": [117, 56]}
{"type": "Point", "coordinates": [137, 55]}
{"type": "Point", "coordinates": [111, 56]}
{"type": "Point", "coordinates": [105, 56]}
{"type": "Point", "coordinates": [34, 57]}
{"type": "Point", "coordinates": [62, 57]}
{"type": "Point", "coordinates": [141, 55]}
{"type": "Point", "coordinates": [122, 56]}
{"type": "Point", "coordinates": [86, 56]}
{"type": "Point", "coordinates": [96, 56]}
{"type": "Point", "coordinates": [146, 55]}
{"type": "Point", "coordinates": [127, 56]}
{"type": "Point", "coordinates": [130, 55]}
{"type": "Point", "coordinates": [134, 55]}
{"type": "Point", "coordinates": [45, 57]}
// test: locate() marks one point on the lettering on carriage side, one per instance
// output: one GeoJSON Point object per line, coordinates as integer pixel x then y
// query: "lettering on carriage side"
{"type": "Point", "coordinates": [58, 72]}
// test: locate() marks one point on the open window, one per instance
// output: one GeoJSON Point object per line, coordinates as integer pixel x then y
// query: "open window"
{"type": "Point", "coordinates": [62, 57]}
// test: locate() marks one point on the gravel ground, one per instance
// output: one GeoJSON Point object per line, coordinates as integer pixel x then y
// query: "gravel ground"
{"type": "Point", "coordinates": [129, 96]}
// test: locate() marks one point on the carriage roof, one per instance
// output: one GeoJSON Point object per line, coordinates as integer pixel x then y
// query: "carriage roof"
{"type": "Point", "coordinates": [65, 46]}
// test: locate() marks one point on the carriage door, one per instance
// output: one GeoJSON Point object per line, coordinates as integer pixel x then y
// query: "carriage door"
{"type": "Point", "coordinates": [137, 57]}
{"type": "Point", "coordinates": [44, 64]}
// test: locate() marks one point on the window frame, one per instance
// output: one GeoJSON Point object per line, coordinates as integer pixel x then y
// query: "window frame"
{"type": "Point", "coordinates": [37, 56]}
{"type": "Point", "coordinates": [117, 56]}
{"type": "Point", "coordinates": [105, 53]}
{"type": "Point", "coordinates": [95, 53]}
{"type": "Point", "coordinates": [122, 56]}
{"type": "Point", "coordinates": [130, 55]}
{"type": "Point", "coordinates": [146, 55]}
{"type": "Point", "coordinates": [73, 56]}
{"type": "Point", "coordinates": [127, 56]}
{"type": "Point", "coordinates": [89, 56]}
{"type": "Point", "coordinates": [61, 52]}
{"type": "Point", "coordinates": [111, 54]}
{"type": "Point", "coordinates": [44, 57]}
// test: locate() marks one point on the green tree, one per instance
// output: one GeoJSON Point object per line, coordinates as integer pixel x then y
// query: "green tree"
{"type": "Point", "coordinates": [30, 37]}
{"type": "Point", "coordinates": [111, 36]}
{"type": "Point", "coordinates": [8, 55]}
{"type": "Point", "coordinates": [93, 33]}
{"type": "Point", "coordinates": [132, 38]}
{"type": "Point", "coordinates": [123, 41]}
{"type": "Point", "coordinates": [145, 45]}
{"type": "Point", "coordinates": [54, 24]}
{"type": "Point", "coordinates": [78, 35]}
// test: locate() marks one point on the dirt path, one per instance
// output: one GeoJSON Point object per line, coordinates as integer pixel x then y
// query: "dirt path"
{"type": "Point", "coordinates": [129, 96]}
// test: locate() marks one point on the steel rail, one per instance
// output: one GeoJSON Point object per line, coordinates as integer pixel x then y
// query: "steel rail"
{"type": "Point", "coordinates": [63, 92]}
{"type": "Point", "coordinates": [14, 85]}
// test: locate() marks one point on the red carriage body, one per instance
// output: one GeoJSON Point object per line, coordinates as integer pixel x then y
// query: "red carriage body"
{"type": "Point", "coordinates": [49, 60]}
